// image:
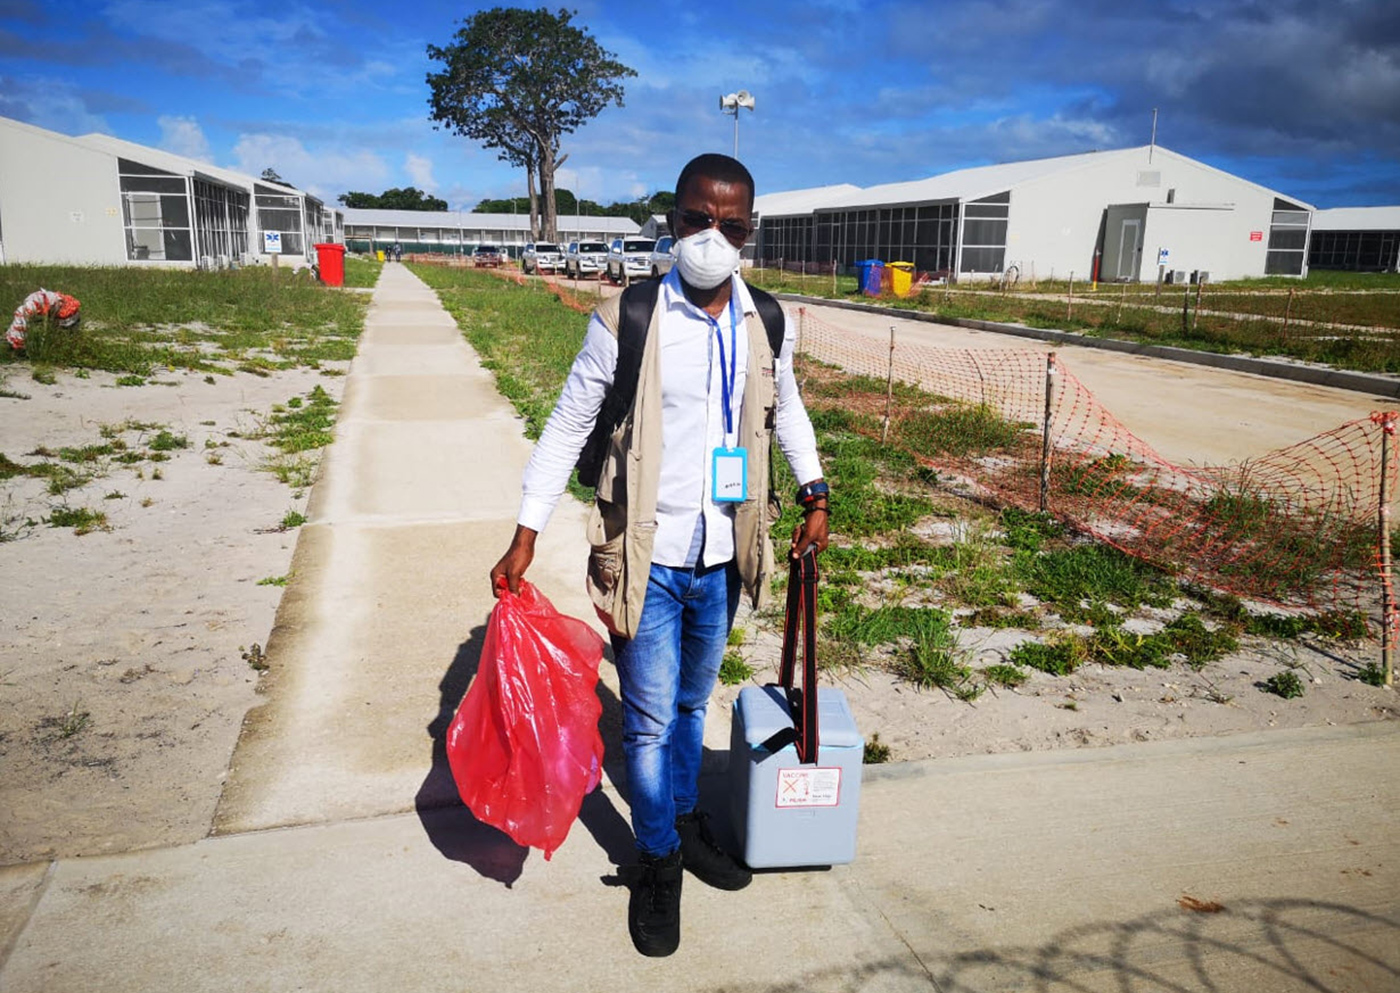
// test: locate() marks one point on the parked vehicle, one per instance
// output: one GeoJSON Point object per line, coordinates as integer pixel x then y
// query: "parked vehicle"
{"type": "Point", "coordinates": [585, 258]}
{"type": "Point", "coordinates": [630, 258]}
{"type": "Point", "coordinates": [662, 257]}
{"type": "Point", "coordinates": [487, 255]}
{"type": "Point", "coordinates": [542, 256]}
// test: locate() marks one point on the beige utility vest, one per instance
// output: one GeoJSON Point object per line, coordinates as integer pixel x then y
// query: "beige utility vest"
{"type": "Point", "coordinates": [622, 523]}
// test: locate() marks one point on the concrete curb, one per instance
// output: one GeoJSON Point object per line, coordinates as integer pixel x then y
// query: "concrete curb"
{"type": "Point", "coordinates": [1360, 382]}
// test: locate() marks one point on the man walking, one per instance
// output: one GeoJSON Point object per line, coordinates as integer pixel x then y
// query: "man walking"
{"type": "Point", "coordinates": [680, 524]}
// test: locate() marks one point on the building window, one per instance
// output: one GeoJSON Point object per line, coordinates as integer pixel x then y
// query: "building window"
{"type": "Point", "coordinates": [155, 214]}
{"type": "Point", "coordinates": [1288, 240]}
{"type": "Point", "coordinates": [984, 233]}
{"type": "Point", "coordinates": [221, 221]}
{"type": "Point", "coordinates": [280, 213]}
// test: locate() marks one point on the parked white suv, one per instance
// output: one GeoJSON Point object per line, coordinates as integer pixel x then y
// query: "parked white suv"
{"type": "Point", "coordinates": [629, 257]}
{"type": "Point", "coordinates": [585, 258]}
{"type": "Point", "coordinates": [542, 256]}
{"type": "Point", "coordinates": [662, 256]}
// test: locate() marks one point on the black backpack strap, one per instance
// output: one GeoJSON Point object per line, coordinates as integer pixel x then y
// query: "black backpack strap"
{"type": "Point", "coordinates": [771, 313]}
{"type": "Point", "coordinates": [633, 322]}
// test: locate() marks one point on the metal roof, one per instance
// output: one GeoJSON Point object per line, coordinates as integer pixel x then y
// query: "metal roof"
{"type": "Point", "coordinates": [173, 162]}
{"type": "Point", "coordinates": [983, 181]}
{"type": "Point", "coordinates": [448, 219]}
{"type": "Point", "coordinates": [798, 202]}
{"type": "Point", "coordinates": [1357, 219]}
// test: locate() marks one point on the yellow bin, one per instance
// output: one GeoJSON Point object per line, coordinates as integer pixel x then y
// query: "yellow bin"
{"type": "Point", "coordinates": [379, 255]}
{"type": "Point", "coordinates": [901, 277]}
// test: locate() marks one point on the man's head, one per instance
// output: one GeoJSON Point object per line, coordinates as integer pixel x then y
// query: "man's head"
{"type": "Point", "coordinates": [714, 190]}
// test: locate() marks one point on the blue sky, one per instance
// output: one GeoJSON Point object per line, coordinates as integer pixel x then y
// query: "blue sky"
{"type": "Point", "coordinates": [1302, 97]}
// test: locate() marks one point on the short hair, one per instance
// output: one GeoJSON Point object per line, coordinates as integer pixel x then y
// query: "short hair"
{"type": "Point", "coordinates": [720, 168]}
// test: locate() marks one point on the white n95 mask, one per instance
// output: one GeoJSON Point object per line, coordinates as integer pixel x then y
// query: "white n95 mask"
{"type": "Point", "coordinates": [706, 259]}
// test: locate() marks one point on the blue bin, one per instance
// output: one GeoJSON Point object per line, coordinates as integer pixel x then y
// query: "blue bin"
{"type": "Point", "coordinates": [870, 272]}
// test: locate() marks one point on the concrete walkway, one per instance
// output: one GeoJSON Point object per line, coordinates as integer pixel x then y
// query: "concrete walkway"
{"type": "Point", "coordinates": [338, 860]}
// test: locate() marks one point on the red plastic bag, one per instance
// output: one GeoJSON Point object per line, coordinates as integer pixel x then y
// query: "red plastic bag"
{"type": "Point", "coordinates": [524, 745]}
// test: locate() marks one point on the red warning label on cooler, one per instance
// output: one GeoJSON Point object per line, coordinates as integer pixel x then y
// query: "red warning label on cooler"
{"type": "Point", "coordinates": [809, 787]}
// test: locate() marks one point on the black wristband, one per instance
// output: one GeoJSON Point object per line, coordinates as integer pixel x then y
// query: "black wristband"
{"type": "Point", "coordinates": [810, 493]}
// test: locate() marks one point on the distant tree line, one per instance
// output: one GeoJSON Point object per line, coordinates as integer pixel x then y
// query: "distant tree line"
{"type": "Point", "coordinates": [409, 198]}
{"type": "Point", "coordinates": [566, 203]}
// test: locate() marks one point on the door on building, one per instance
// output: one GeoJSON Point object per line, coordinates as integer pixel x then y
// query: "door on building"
{"type": "Point", "coordinates": [1129, 249]}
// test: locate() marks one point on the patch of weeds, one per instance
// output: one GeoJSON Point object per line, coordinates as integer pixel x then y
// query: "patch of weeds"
{"type": "Point", "coordinates": [87, 453]}
{"type": "Point", "coordinates": [81, 519]}
{"type": "Point", "coordinates": [274, 580]}
{"type": "Point", "coordinates": [157, 474]}
{"type": "Point", "coordinates": [1005, 675]}
{"type": "Point", "coordinates": [734, 669]}
{"type": "Point", "coordinates": [1285, 684]}
{"type": "Point", "coordinates": [72, 723]}
{"type": "Point", "coordinates": [1070, 704]}
{"type": "Point", "coordinates": [115, 495]}
{"type": "Point", "coordinates": [884, 625]}
{"type": "Point", "coordinates": [1372, 673]}
{"type": "Point", "coordinates": [936, 660]}
{"type": "Point", "coordinates": [1117, 647]}
{"type": "Point", "coordinates": [1343, 625]}
{"type": "Point", "coordinates": [146, 501]}
{"type": "Point", "coordinates": [957, 430]}
{"type": "Point", "coordinates": [834, 599]}
{"type": "Point", "coordinates": [214, 459]}
{"type": "Point", "coordinates": [255, 657]}
{"type": "Point", "coordinates": [44, 375]}
{"type": "Point", "coordinates": [167, 442]}
{"type": "Point", "coordinates": [837, 655]}
{"type": "Point", "coordinates": [1058, 658]}
{"type": "Point", "coordinates": [1189, 636]}
{"type": "Point", "coordinates": [305, 425]}
{"type": "Point", "coordinates": [131, 380]}
{"type": "Point", "coordinates": [999, 617]}
{"type": "Point", "coordinates": [297, 471]}
{"type": "Point", "coordinates": [10, 394]}
{"type": "Point", "coordinates": [1094, 573]}
{"type": "Point", "coordinates": [736, 637]}
{"type": "Point", "coordinates": [292, 519]}
{"type": "Point", "coordinates": [876, 751]}
{"type": "Point", "coordinates": [210, 380]}
{"type": "Point", "coordinates": [1027, 530]}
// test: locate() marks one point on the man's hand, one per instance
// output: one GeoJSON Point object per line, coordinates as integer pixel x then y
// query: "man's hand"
{"type": "Point", "coordinates": [812, 531]}
{"type": "Point", "coordinates": [515, 561]}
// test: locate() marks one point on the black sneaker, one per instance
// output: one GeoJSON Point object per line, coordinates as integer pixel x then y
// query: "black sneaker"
{"type": "Point", "coordinates": [701, 854]}
{"type": "Point", "coordinates": [654, 912]}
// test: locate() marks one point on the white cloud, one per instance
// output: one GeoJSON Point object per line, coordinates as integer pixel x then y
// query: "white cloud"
{"type": "Point", "coordinates": [48, 103]}
{"type": "Point", "coordinates": [324, 172]}
{"type": "Point", "coordinates": [420, 170]}
{"type": "Point", "coordinates": [184, 136]}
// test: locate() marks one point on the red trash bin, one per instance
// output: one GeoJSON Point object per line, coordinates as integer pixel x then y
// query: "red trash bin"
{"type": "Point", "coordinates": [331, 261]}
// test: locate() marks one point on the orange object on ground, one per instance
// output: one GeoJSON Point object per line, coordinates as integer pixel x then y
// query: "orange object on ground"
{"type": "Point", "coordinates": [42, 303]}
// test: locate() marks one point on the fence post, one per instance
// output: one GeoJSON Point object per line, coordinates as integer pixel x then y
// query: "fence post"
{"type": "Point", "coordinates": [1123, 295]}
{"type": "Point", "coordinates": [1069, 311]}
{"type": "Point", "coordinates": [1185, 312]}
{"type": "Point", "coordinates": [1195, 314]}
{"type": "Point", "coordinates": [889, 391]}
{"type": "Point", "coordinates": [1387, 588]}
{"type": "Point", "coordinates": [1287, 311]}
{"type": "Point", "coordinates": [1045, 433]}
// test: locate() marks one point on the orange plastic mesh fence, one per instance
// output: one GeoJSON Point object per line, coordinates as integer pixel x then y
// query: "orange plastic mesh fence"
{"type": "Point", "coordinates": [1297, 528]}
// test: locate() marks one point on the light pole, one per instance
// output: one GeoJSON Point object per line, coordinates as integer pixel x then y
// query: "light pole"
{"type": "Point", "coordinates": [730, 104]}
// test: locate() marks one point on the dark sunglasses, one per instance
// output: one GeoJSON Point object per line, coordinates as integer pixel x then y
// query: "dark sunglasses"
{"type": "Point", "coordinates": [732, 228]}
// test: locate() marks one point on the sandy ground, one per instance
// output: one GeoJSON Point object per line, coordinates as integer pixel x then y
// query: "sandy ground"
{"type": "Point", "coordinates": [142, 627]}
{"type": "Point", "coordinates": [124, 679]}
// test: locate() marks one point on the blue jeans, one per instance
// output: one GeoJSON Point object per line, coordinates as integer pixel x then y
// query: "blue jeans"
{"type": "Point", "coordinates": [667, 672]}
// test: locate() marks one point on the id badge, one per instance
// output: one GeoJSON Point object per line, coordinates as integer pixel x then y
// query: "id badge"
{"type": "Point", "coordinates": [731, 475]}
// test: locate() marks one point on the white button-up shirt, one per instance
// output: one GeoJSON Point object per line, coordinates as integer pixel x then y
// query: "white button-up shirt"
{"type": "Point", "coordinates": [690, 526]}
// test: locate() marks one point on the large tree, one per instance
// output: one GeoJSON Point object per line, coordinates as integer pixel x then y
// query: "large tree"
{"type": "Point", "coordinates": [408, 198]}
{"type": "Point", "coordinates": [518, 81]}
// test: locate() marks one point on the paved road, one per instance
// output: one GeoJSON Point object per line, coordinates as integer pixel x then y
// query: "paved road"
{"type": "Point", "coordinates": [338, 860]}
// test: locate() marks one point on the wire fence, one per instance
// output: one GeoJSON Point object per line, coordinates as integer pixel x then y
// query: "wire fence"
{"type": "Point", "coordinates": [1301, 528]}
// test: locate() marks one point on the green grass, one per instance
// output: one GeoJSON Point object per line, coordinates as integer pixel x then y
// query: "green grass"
{"type": "Point", "coordinates": [292, 519]}
{"type": "Point", "coordinates": [362, 272]}
{"type": "Point", "coordinates": [1009, 676]}
{"type": "Point", "coordinates": [885, 625]}
{"type": "Point", "coordinates": [274, 580]}
{"type": "Point", "coordinates": [1093, 573]}
{"type": "Point", "coordinates": [876, 752]}
{"type": "Point", "coordinates": [937, 661]}
{"type": "Point", "coordinates": [734, 668]}
{"type": "Point", "coordinates": [1285, 684]}
{"type": "Point", "coordinates": [1058, 658]}
{"type": "Point", "coordinates": [82, 520]}
{"type": "Point", "coordinates": [136, 322]}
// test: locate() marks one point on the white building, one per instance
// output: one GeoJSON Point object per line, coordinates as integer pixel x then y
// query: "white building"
{"type": "Point", "coordinates": [1364, 239]}
{"type": "Point", "coordinates": [1117, 215]}
{"type": "Point", "coordinates": [99, 200]}
{"type": "Point", "coordinates": [450, 232]}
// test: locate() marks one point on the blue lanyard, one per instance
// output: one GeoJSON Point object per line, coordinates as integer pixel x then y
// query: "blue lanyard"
{"type": "Point", "coordinates": [727, 374]}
